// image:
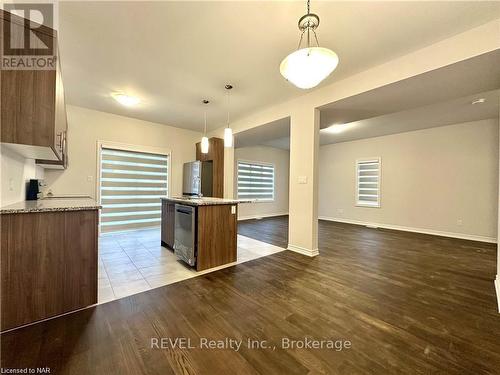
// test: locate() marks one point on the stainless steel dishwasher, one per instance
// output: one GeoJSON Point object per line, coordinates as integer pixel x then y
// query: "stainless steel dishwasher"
{"type": "Point", "coordinates": [185, 233]}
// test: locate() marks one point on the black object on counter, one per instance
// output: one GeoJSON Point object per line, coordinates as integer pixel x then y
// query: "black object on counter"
{"type": "Point", "coordinates": [33, 190]}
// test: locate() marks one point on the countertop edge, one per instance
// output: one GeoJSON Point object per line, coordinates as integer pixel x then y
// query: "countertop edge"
{"type": "Point", "coordinates": [194, 202]}
{"type": "Point", "coordinates": [49, 209]}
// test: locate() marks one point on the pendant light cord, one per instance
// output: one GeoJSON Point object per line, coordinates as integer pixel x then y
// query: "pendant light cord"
{"type": "Point", "coordinates": [228, 108]}
{"type": "Point", "coordinates": [308, 6]}
{"type": "Point", "coordinates": [205, 126]}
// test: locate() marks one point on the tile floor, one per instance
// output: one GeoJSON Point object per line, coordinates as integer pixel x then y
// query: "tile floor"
{"type": "Point", "coordinates": [133, 262]}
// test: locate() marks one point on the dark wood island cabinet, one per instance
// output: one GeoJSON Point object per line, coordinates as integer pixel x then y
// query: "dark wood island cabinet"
{"type": "Point", "coordinates": [215, 232]}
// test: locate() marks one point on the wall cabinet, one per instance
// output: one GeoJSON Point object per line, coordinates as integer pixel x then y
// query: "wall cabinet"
{"type": "Point", "coordinates": [216, 155]}
{"type": "Point", "coordinates": [33, 112]}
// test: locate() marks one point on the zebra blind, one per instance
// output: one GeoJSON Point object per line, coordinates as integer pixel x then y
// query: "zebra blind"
{"type": "Point", "coordinates": [132, 184]}
{"type": "Point", "coordinates": [368, 183]}
{"type": "Point", "coordinates": [255, 180]}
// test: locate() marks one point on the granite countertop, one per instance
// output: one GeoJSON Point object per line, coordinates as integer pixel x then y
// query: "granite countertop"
{"type": "Point", "coordinates": [51, 205]}
{"type": "Point", "coordinates": [204, 201]}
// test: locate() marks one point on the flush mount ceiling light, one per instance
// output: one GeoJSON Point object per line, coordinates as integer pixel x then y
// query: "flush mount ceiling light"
{"type": "Point", "coordinates": [478, 101]}
{"type": "Point", "coordinates": [335, 129]}
{"type": "Point", "coordinates": [126, 100]}
{"type": "Point", "coordinates": [204, 139]}
{"type": "Point", "coordinates": [308, 66]}
{"type": "Point", "coordinates": [228, 133]}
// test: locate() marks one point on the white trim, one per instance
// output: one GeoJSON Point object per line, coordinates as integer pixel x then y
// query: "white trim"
{"type": "Point", "coordinates": [462, 236]}
{"type": "Point", "coordinates": [497, 287]}
{"type": "Point", "coordinates": [303, 250]}
{"type": "Point", "coordinates": [259, 216]}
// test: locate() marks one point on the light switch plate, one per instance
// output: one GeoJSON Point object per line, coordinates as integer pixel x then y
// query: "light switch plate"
{"type": "Point", "coordinates": [302, 179]}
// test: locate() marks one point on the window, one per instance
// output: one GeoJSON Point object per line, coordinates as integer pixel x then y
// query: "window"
{"type": "Point", "coordinates": [255, 181]}
{"type": "Point", "coordinates": [131, 186]}
{"type": "Point", "coordinates": [368, 182]}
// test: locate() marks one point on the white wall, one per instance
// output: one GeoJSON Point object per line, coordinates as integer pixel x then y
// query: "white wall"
{"type": "Point", "coordinates": [281, 161]}
{"type": "Point", "coordinates": [430, 179]}
{"type": "Point", "coordinates": [86, 127]}
{"type": "Point", "coordinates": [16, 172]}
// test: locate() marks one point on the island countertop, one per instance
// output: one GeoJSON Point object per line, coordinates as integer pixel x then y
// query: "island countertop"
{"type": "Point", "coordinates": [204, 201]}
{"type": "Point", "coordinates": [51, 205]}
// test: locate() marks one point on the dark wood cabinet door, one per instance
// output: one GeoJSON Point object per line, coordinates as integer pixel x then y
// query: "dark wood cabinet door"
{"type": "Point", "coordinates": [217, 231]}
{"type": "Point", "coordinates": [80, 259]}
{"type": "Point", "coordinates": [48, 264]}
{"type": "Point", "coordinates": [32, 259]}
{"type": "Point", "coordinates": [32, 101]}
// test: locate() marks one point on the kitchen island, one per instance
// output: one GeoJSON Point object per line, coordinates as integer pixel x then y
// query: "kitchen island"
{"type": "Point", "coordinates": [48, 259]}
{"type": "Point", "coordinates": [201, 230]}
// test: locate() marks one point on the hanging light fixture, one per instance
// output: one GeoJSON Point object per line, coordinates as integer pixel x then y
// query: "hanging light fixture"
{"type": "Point", "coordinates": [228, 132]}
{"type": "Point", "coordinates": [308, 66]}
{"type": "Point", "coordinates": [204, 139]}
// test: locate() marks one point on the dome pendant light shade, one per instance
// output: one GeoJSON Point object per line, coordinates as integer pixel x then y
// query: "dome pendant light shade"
{"type": "Point", "coordinates": [307, 67]}
{"type": "Point", "coordinates": [204, 139]}
{"type": "Point", "coordinates": [228, 137]}
{"type": "Point", "coordinates": [204, 145]}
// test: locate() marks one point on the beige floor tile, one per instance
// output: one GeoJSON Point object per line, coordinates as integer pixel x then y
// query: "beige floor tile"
{"type": "Point", "coordinates": [129, 288]}
{"type": "Point", "coordinates": [160, 269]}
{"type": "Point", "coordinates": [105, 294]}
{"type": "Point", "coordinates": [125, 277]}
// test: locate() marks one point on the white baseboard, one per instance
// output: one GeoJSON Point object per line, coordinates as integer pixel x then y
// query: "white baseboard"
{"type": "Point", "coordinates": [303, 250]}
{"type": "Point", "coordinates": [415, 230]}
{"type": "Point", "coordinates": [257, 216]}
{"type": "Point", "coordinates": [497, 287]}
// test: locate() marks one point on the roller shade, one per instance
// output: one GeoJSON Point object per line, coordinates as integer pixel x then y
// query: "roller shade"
{"type": "Point", "coordinates": [132, 184]}
{"type": "Point", "coordinates": [255, 180]}
{"type": "Point", "coordinates": [368, 182]}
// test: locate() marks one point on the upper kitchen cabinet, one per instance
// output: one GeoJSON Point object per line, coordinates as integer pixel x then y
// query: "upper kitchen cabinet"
{"type": "Point", "coordinates": [216, 155]}
{"type": "Point", "coordinates": [33, 111]}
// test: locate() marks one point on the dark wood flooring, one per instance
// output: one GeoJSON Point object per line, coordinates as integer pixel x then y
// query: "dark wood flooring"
{"type": "Point", "coordinates": [408, 303]}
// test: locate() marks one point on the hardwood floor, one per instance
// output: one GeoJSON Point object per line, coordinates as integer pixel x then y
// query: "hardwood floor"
{"type": "Point", "coordinates": [408, 303]}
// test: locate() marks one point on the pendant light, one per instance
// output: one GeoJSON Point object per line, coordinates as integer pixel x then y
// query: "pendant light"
{"type": "Point", "coordinates": [308, 66]}
{"type": "Point", "coordinates": [228, 132]}
{"type": "Point", "coordinates": [204, 139]}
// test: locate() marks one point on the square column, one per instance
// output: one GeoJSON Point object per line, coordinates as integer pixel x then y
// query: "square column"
{"type": "Point", "coordinates": [303, 206]}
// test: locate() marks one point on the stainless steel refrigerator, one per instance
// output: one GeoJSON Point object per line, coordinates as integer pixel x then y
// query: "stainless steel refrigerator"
{"type": "Point", "coordinates": [197, 178]}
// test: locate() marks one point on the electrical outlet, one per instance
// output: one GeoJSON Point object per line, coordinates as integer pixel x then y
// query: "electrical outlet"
{"type": "Point", "coordinates": [302, 179]}
{"type": "Point", "coordinates": [233, 210]}
{"type": "Point", "coordinates": [459, 222]}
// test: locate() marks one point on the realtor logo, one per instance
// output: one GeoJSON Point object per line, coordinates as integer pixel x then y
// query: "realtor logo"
{"type": "Point", "coordinates": [29, 41]}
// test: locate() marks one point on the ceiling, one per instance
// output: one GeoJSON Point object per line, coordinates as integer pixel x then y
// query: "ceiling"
{"type": "Point", "coordinates": [174, 54]}
{"type": "Point", "coordinates": [437, 98]}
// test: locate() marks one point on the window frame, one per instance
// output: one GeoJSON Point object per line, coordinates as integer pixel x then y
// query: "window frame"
{"type": "Point", "coordinates": [357, 202]}
{"type": "Point", "coordinates": [256, 162]}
